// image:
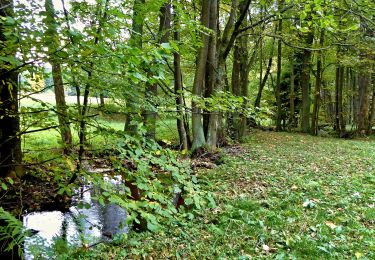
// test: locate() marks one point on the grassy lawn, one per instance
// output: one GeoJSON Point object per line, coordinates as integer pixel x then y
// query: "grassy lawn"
{"type": "Point", "coordinates": [280, 195]}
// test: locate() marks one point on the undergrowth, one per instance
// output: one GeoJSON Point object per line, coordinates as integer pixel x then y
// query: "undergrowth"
{"type": "Point", "coordinates": [280, 196]}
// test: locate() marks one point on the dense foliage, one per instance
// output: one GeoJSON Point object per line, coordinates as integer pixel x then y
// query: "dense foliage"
{"type": "Point", "coordinates": [96, 92]}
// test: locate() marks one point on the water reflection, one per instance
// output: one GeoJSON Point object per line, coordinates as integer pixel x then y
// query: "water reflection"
{"type": "Point", "coordinates": [78, 226]}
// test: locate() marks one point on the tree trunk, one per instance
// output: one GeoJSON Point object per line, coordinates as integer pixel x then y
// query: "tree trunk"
{"type": "Point", "coordinates": [263, 79]}
{"type": "Point", "coordinates": [305, 83]}
{"type": "Point", "coordinates": [364, 81]}
{"type": "Point", "coordinates": [244, 83]}
{"type": "Point", "coordinates": [263, 83]}
{"type": "Point", "coordinates": [178, 89]}
{"type": "Point", "coordinates": [212, 70]}
{"type": "Point", "coordinates": [133, 118]}
{"type": "Point", "coordinates": [235, 90]}
{"type": "Point", "coordinates": [354, 86]}
{"type": "Point", "coordinates": [339, 124]}
{"type": "Point", "coordinates": [278, 79]}
{"type": "Point", "coordinates": [53, 41]}
{"type": "Point", "coordinates": [101, 99]}
{"type": "Point", "coordinates": [291, 123]}
{"type": "Point", "coordinates": [372, 111]}
{"type": "Point", "coordinates": [10, 142]}
{"type": "Point", "coordinates": [86, 93]}
{"type": "Point", "coordinates": [152, 90]}
{"type": "Point", "coordinates": [318, 85]}
{"type": "Point", "coordinates": [198, 132]}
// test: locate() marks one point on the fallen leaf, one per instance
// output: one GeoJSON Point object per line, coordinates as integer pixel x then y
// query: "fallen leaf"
{"type": "Point", "coordinates": [331, 225]}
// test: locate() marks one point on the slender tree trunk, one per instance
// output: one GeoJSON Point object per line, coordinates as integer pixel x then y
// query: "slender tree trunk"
{"type": "Point", "coordinates": [178, 89]}
{"type": "Point", "coordinates": [372, 111]}
{"type": "Point", "coordinates": [198, 132]}
{"type": "Point", "coordinates": [341, 103]}
{"type": "Point", "coordinates": [278, 79]}
{"type": "Point", "coordinates": [350, 95]}
{"type": "Point", "coordinates": [263, 82]}
{"type": "Point", "coordinates": [244, 83]}
{"type": "Point", "coordinates": [212, 70]}
{"type": "Point", "coordinates": [292, 97]}
{"type": "Point", "coordinates": [339, 124]}
{"type": "Point", "coordinates": [86, 93]}
{"type": "Point", "coordinates": [152, 90]}
{"type": "Point", "coordinates": [101, 99]}
{"type": "Point", "coordinates": [52, 38]}
{"type": "Point", "coordinates": [354, 86]}
{"type": "Point", "coordinates": [235, 89]}
{"type": "Point", "coordinates": [363, 96]}
{"type": "Point", "coordinates": [261, 86]}
{"type": "Point", "coordinates": [263, 79]}
{"type": "Point", "coordinates": [305, 83]}
{"type": "Point", "coordinates": [318, 85]}
{"type": "Point", "coordinates": [133, 118]}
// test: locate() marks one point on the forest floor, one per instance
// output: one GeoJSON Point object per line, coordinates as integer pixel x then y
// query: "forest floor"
{"type": "Point", "coordinates": [279, 195]}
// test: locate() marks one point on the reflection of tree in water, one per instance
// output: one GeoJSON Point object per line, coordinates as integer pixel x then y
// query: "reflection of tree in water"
{"type": "Point", "coordinates": [77, 227]}
{"type": "Point", "coordinates": [114, 220]}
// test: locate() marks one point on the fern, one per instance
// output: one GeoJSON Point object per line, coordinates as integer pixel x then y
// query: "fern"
{"type": "Point", "coordinates": [12, 232]}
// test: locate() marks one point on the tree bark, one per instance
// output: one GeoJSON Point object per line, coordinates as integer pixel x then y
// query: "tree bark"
{"type": "Point", "coordinates": [305, 83]}
{"type": "Point", "coordinates": [178, 89]}
{"type": "Point", "coordinates": [198, 132]}
{"type": "Point", "coordinates": [364, 81]}
{"type": "Point", "coordinates": [132, 117]}
{"type": "Point", "coordinates": [339, 124]}
{"type": "Point", "coordinates": [372, 111]}
{"type": "Point", "coordinates": [244, 83]}
{"type": "Point", "coordinates": [10, 142]}
{"type": "Point", "coordinates": [101, 99]}
{"type": "Point", "coordinates": [278, 78]}
{"type": "Point", "coordinates": [318, 85]}
{"type": "Point", "coordinates": [52, 39]}
{"type": "Point", "coordinates": [263, 79]}
{"type": "Point", "coordinates": [212, 70]}
{"type": "Point", "coordinates": [291, 123]}
{"type": "Point", "coordinates": [234, 120]}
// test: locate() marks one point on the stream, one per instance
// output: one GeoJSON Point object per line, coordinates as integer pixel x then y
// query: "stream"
{"type": "Point", "coordinates": [77, 226]}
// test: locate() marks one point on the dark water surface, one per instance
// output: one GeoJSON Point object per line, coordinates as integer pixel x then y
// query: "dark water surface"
{"type": "Point", "coordinates": [77, 226]}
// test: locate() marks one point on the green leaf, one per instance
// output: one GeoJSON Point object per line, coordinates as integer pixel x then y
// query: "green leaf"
{"type": "Point", "coordinates": [4, 186]}
{"type": "Point", "coordinates": [152, 227]}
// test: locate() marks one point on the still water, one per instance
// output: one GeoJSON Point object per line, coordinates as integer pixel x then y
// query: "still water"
{"type": "Point", "coordinates": [77, 226]}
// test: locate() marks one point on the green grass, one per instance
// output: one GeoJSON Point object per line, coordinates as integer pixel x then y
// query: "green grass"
{"type": "Point", "coordinates": [36, 144]}
{"type": "Point", "coordinates": [279, 196]}
{"type": "Point", "coordinates": [284, 196]}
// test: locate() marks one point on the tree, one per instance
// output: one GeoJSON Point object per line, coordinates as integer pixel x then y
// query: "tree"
{"type": "Point", "coordinates": [182, 124]}
{"type": "Point", "coordinates": [10, 142]}
{"type": "Point", "coordinates": [278, 79]}
{"type": "Point", "coordinates": [318, 85]}
{"type": "Point", "coordinates": [132, 118]}
{"type": "Point", "coordinates": [199, 139]}
{"type": "Point", "coordinates": [53, 41]}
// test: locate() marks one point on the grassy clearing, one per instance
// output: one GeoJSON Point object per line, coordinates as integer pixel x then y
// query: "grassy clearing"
{"type": "Point", "coordinates": [283, 196]}
{"type": "Point", "coordinates": [35, 145]}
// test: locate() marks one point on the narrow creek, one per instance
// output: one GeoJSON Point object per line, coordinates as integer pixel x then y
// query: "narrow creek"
{"type": "Point", "coordinates": [77, 226]}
